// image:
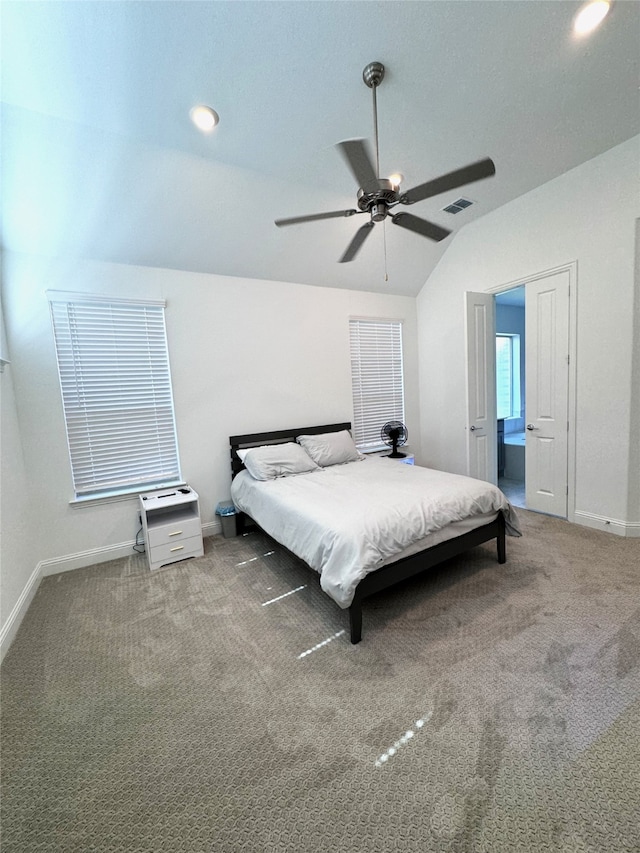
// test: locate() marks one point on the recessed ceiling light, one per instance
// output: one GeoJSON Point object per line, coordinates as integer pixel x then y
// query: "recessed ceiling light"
{"type": "Point", "coordinates": [204, 118]}
{"type": "Point", "coordinates": [590, 16]}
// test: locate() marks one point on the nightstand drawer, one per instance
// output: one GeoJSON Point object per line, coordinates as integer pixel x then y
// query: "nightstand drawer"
{"type": "Point", "coordinates": [162, 554]}
{"type": "Point", "coordinates": [173, 532]}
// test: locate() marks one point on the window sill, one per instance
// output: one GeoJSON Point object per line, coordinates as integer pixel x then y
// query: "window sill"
{"type": "Point", "coordinates": [116, 497]}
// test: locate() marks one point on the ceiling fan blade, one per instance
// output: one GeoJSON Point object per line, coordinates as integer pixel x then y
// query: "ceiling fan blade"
{"type": "Point", "coordinates": [354, 246]}
{"type": "Point", "coordinates": [312, 217]}
{"type": "Point", "coordinates": [474, 172]}
{"type": "Point", "coordinates": [420, 226]}
{"type": "Point", "coordinates": [356, 153]}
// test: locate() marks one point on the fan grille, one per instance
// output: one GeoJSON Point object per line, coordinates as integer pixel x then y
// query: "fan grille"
{"type": "Point", "coordinates": [394, 433]}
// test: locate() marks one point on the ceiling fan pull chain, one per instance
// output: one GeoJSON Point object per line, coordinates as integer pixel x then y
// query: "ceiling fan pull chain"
{"type": "Point", "coordinates": [384, 243]}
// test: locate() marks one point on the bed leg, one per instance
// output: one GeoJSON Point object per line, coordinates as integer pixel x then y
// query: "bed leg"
{"type": "Point", "coordinates": [500, 541]}
{"type": "Point", "coordinates": [355, 621]}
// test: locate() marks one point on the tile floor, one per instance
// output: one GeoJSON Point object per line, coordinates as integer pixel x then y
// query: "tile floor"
{"type": "Point", "coordinates": [514, 490]}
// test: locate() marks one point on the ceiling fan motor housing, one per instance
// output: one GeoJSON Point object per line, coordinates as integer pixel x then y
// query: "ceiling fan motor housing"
{"type": "Point", "coordinates": [378, 201]}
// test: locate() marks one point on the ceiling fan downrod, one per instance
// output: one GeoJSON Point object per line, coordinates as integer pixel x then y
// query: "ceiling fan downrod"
{"type": "Point", "coordinates": [377, 202]}
{"type": "Point", "coordinates": [373, 75]}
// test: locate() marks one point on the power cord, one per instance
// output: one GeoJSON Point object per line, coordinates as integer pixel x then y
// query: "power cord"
{"type": "Point", "coordinates": [139, 546]}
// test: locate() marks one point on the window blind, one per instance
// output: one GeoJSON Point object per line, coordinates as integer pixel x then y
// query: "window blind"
{"type": "Point", "coordinates": [114, 372]}
{"type": "Point", "coordinates": [508, 375]}
{"type": "Point", "coordinates": [377, 379]}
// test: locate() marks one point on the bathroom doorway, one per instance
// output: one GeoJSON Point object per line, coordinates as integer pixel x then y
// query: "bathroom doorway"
{"type": "Point", "coordinates": [511, 393]}
{"type": "Point", "coordinates": [537, 397]}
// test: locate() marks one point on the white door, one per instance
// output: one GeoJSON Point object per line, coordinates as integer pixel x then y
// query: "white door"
{"type": "Point", "coordinates": [481, 386]}
{"type": "Point", "coordinates": [546, 418]}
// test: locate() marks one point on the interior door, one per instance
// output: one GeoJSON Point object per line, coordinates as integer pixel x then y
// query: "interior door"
{"type": "Point", "coordinates": [480, 328]}
{"type": "Point", "coordinates": [546, 419]}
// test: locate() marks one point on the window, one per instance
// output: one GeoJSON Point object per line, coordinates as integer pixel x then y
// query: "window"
{"type": "Point", "coordinates": [508, 376]}
{"type": "Point", "coordinates": [116, 394]}
{"type": "Point", "coordinates": [377, 379]}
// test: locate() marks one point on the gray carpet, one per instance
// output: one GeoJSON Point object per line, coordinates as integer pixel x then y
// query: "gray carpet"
{"type": "Point", "coordinates": [488, 708]}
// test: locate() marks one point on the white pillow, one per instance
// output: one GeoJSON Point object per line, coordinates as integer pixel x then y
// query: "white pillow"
{"type": "Point", "coordinates": [331, 448]}
{"type": "Point", "coordinates": [276, 460]}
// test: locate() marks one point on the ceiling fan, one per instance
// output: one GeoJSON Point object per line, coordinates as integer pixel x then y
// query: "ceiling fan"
{"type": "Point", "coordinates": [377, 196]}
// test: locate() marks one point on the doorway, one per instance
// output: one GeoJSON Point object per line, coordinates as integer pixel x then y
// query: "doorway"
{"type": "Point", "coordinates": [540, 414]}
{"type": "Point", "coordinates": [511, 378]}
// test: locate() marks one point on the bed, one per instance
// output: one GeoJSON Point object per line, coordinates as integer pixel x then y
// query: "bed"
{"type": "Point", "coordinates": [363, 523]}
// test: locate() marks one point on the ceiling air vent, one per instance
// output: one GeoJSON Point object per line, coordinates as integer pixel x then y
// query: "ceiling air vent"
{"type": "Point", "coordinates": [458, 205]}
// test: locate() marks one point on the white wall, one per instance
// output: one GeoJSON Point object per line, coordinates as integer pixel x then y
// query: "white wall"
{"type": "Point", "coordinates": [587, 215]}
{"type": "Point", "coordinates": [634, 425]}
{"type": "Point", "coordinates": [246, 356]}
{"type": "Point", "coordinates": [18, 575]}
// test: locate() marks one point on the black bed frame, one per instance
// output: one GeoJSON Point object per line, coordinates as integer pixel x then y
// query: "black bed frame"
{"type": "Point", "coordinates": [394, 572]}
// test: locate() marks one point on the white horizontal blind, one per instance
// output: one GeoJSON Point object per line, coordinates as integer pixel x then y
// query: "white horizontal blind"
{"type": "Point", "coordinates": [508, 375]}
{"type": "Point", "coordinates": [377, 379]}
{"type": "Point", "coordinates": [116, 392]}
{"type": "Point", "coordinates": [504, 385]}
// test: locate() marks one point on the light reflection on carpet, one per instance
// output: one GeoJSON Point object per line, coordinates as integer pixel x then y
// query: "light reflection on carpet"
{"type": "Point", "coordinates": [403, 740]}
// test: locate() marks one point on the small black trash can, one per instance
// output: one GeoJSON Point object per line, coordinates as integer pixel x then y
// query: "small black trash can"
{"type": "Point", "coordinates": [227, 512]}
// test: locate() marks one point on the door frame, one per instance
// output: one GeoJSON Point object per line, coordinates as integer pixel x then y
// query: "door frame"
{"type": "Point", "coordinates": [572, 268]}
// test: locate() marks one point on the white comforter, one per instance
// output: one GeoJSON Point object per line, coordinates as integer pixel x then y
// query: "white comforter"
{"type": "Point", "coordinates": [348, 520]}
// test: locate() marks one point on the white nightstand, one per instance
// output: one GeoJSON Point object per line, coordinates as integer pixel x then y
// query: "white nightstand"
{"type": "Point", "coordinates": [171, 526]}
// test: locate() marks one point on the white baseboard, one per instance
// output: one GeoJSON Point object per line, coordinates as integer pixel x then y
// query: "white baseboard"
{"type": "Point", "coordinates": [100, 555]}
{"type": "Point", "coordinates": [16, 616]}
{"type": "Point", "coordinates": [630, 529]}
{"type": "Point", "coordinates": [81, 559]}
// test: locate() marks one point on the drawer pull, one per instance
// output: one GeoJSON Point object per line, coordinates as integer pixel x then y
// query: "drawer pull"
{"type": "Point", "coordinates": [178, 548]}
{"type": "Point", "coordinates": [177, 533]}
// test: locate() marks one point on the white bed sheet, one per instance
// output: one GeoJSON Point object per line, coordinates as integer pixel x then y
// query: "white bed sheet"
{"type": "Point", "coordinates": [348, 520]}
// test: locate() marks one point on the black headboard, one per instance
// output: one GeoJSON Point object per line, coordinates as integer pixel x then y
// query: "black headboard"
{"type": "Point", "coordinates": [281, 436]}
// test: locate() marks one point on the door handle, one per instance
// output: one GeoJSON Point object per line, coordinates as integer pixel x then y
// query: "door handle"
{"type": "Point", "coordinates": [531, 426]}
{"type": "Point", "coordinates": [472, 428]}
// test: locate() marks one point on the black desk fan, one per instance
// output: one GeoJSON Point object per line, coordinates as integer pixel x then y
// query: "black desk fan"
{"type": "Point", "coordinates": [394, 434]}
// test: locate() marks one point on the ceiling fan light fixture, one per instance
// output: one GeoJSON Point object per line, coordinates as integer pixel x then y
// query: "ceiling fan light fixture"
{"type": "Point", "coordinates": [396, 179]}
{"type": "Point", "coordinates": [205, 118]}
{"type": "Point", "coordinates": [590, 16]}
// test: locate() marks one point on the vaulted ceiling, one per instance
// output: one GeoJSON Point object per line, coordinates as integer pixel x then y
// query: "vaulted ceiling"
{"type": "Point", "coordinates": [100, 159]}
